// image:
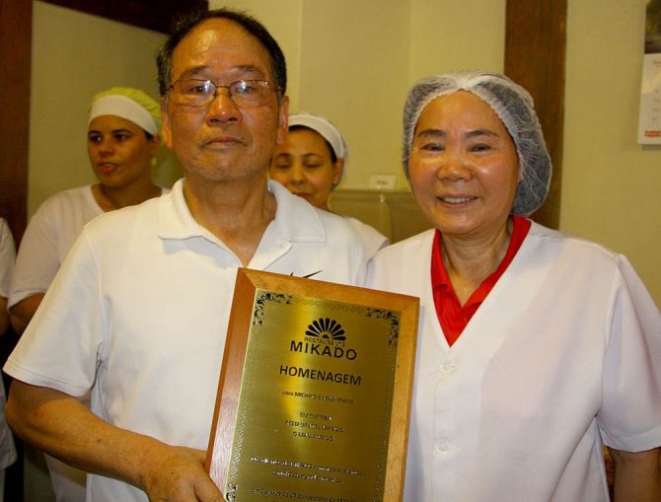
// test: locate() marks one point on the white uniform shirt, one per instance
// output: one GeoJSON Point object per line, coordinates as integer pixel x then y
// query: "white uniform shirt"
{"type": "Point", "coordinates": [564, 351]}
{"type": "Point", "coordinates": [50, 234]}
{"type": "Point", "coordinates": [140, 311]}
{"type": "Point", "coordinates": [372, 238]}
{"type": "Point", "coordinates": [7, 256]}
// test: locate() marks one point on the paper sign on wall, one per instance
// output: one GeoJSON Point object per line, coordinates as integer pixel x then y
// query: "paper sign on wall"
{"type": "Point", "coordinates": [649, 127]}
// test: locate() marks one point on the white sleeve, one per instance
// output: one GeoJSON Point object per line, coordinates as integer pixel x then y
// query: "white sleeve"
{"type": "Point", "coordinates": [64, 344]}
{"type": "Point", "coordinates": [38, 258]}
{"type": "Point", "coordinates": [7, 257]}
{"type": "Point", "coordinates": [630, 416]}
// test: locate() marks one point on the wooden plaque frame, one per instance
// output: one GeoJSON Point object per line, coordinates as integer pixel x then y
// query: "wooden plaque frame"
{"type": "Point", "coordinates": [229, 387]}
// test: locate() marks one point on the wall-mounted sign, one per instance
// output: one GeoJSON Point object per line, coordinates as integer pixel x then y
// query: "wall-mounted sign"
{"type": "Point", "coordinates": [649, 127]}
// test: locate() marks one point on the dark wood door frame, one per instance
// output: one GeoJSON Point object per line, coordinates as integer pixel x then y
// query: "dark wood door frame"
{"type": "Point", "coordinates": [156, 15]}
{"type": "Point", "coordinates": [15, 54]}
{"type": "Point", "coordinates": [535, 46]}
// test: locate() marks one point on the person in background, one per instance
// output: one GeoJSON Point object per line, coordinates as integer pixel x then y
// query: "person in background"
{"type": "Point", "coordinates": [7, 256]}
{"type": "Point", "coordinates": [123, 136]}
{"type": "Point", "coordinates": [139, 310]}
{"type": "Point", "coordinates": [535, 347]}
{"type": "Point", "coordinates": [311, 162]}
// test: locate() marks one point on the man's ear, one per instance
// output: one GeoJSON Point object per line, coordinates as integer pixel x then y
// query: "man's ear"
{"type": "Point", "coordinates": [167, 131]}
{"type": "Point", "coordinates": [283, 120]}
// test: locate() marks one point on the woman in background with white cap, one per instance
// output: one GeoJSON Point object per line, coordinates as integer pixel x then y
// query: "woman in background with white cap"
{"type": "Point", "coordinates": [123, 136]}
{"type": "Point", "coordinates": [535, 348]}
{"type": "Point", "coordinates": [311, 164]}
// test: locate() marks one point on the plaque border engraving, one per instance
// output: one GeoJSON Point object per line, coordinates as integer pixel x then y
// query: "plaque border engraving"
{"type": "Point", "coordinates": [248, 309]}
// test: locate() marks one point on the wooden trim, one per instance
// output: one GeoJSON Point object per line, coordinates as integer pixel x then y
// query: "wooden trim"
{"type": "Point", "coordinates": [15, 54]}
{"type": "Point", "coordinates": [156, 15]}
{"type": "Point", "coordinates": [535, 47]}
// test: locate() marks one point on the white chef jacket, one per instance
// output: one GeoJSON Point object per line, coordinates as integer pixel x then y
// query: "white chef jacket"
{"type": "Point", "coordinates": [564, 353]}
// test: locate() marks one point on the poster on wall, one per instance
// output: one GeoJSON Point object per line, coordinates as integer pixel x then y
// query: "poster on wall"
{"type": "Point", "coordinates": [649, 127]}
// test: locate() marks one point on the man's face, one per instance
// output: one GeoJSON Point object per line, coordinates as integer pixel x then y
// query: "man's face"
{"type": "Point", "coordinates": [222, 141]}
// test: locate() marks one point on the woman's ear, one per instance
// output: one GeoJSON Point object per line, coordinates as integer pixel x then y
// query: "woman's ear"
{"type": "Point", "coordinates": [154, 143]}
{"type": "Point", "coordinates": [338, 168]}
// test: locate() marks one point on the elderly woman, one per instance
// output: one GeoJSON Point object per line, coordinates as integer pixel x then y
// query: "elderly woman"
{"type": "Point", "coordinates": [311, 164]}
{"type": "Point", "coordinates": [123, 136]}
{"type": "Point", "coordinates": [535, 348]}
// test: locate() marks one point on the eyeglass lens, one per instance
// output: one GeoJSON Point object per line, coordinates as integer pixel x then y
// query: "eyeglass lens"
{"type": "Point", "coordinates": [198, 92]}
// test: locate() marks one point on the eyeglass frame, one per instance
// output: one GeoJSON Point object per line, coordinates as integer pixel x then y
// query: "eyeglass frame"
{"type": "Point", "coordinates": [263, 83]}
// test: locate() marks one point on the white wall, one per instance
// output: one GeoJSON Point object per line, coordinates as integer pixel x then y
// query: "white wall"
{"type": "Point", "coordinates": [353, 70]}
{"type": "Point", "coordinates": [456, 35]}
{"type": "Point", "coordinates": [611, 187]}
{"type": "Point", "coordinates": [74, 56]}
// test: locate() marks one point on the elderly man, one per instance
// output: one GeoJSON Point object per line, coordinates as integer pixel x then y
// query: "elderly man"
{"type": "Point", "coordinates": [139, 311]}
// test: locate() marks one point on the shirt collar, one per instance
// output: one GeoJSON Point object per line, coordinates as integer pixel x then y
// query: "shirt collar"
{"type": "Point", "coordinates": [295, 219]}
{"type": "Point", "coordinates": [439, 274]}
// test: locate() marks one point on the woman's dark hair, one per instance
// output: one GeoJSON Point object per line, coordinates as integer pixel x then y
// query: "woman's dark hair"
{"type": "Point", "coordinates": [184, 25]}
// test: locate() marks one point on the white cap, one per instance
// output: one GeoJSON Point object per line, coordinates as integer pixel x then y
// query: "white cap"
{"type": "Point", "coordinates": [324, 127]}
{"type": "Point", "coordinates": [126, 108]}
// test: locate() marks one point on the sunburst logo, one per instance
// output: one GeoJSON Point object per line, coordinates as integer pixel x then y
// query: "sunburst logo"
{"type": "Point", "coordinates": [324, 337]}
{"type": "Point", "coordinates": [327, 330]}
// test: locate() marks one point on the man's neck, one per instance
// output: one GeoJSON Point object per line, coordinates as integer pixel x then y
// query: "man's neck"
{"type": "Point", "coordinates": [237, 212]}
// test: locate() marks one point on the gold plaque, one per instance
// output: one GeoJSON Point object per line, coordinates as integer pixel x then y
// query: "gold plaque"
{"type": "Point", "coordinates": [315, 390]}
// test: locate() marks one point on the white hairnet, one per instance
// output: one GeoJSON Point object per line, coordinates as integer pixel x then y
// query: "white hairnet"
{"type": "Point", "coordinates": [513, 105]}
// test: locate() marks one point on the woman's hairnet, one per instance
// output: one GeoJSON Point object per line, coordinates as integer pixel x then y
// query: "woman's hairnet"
{"type": "Point", "coordinates": [130, 104]}
{"type": "Point", "coordinates": [327, 130]}
{"type": "Point", "coordinates": [513, 105]}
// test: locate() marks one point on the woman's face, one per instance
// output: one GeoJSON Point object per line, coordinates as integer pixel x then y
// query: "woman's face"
{"type": "Point", "coordinates": [119, 151]}
{"type": "Point", "coordinates": [463, 166]}
{"type": "Point", "coordinates": [304, 165]}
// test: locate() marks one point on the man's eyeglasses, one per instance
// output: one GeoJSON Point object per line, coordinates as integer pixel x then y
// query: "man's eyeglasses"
{"type": "Point", "coordinates": [198, 92]}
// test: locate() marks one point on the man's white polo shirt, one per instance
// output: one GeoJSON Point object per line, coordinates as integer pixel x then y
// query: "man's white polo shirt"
{"type": "Point", "coordinates": [140, 308]}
